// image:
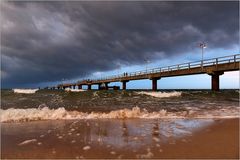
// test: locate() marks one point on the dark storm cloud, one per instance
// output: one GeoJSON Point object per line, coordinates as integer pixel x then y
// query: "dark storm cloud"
{"type": "Point", "coordinates": [46, 41]}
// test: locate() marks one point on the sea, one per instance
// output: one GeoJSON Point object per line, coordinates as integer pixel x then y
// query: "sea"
{"type": "Point", "coordinates": [29, 105]}
{"type": "Point", "coordinates": [106, 123]}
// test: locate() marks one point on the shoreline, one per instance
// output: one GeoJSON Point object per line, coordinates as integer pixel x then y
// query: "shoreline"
{"type": "Point", "coordinates": [122, 139]}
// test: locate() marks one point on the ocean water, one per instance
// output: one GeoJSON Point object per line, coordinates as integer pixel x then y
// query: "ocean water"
{"type": "Point", "coordinates": [75, 124]}
{"type": "Point", "coordinates": [33, 105]}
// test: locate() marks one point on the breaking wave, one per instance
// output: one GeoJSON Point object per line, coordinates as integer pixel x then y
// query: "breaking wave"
{"type": "Point", "coordinates": [161, 94]}
{"type": "Point", "coordinates": [21, 115]}
{"type": "Point", "coordinates": [74, 90]}
{"type": "Point", "coordinates": [25, 91]}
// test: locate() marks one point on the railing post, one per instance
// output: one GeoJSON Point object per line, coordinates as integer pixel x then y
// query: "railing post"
{"type": "Point", "coordinates": [216, 63]}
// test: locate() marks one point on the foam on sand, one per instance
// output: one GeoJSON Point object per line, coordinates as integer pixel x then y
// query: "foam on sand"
{"type": "Point", "coordinates": [25, 91]}
{"type": "Point", "coordinates": [161, 94]}
{"type": "Point", "coordinates": [21, 115]}
{"type": "Point", "coordinates": [74, 90]}
{"type": "Point", "coordinates": [86, 148]}
{"type": "Point", "coordinates": [27, 142]}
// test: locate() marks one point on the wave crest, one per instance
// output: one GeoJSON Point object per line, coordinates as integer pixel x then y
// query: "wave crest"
{"type": "Point", "coordinates": [74, 90]}
{"type": "Point", "coordinates": [44, 113]}
{"type": "Point", "coordinates": [161, 94]}
{"type": "Point", "coordinates": [31, 114]}
{"type": "Point", "coordinates": [25, 91]}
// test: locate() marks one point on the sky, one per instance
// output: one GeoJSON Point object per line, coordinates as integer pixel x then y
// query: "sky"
{"type": "Point", "coordinates": [50, 42]}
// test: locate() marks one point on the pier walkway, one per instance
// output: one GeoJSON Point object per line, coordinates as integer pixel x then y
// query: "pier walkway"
{"type": "Point", "coordinates": [213, 67]}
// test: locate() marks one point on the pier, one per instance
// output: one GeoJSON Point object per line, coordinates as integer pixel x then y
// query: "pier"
{"type": "Point", "coordinates": [214, 67]}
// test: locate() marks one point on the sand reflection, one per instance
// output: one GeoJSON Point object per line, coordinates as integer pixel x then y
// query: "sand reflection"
{"type": "Point", "coordinates": [86, 137]}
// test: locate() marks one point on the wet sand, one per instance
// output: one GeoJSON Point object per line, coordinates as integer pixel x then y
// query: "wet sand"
{"type": "Point", "coordinates": [114, 138]}
{"type": "Point", "coordinates": [218, 141]}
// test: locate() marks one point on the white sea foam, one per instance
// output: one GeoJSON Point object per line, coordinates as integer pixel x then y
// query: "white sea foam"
{"type": "Point", "coordinates": [19, 115]}
{"type": "Point", "coordinates": [74, 90]}
{"type": "Point", "coordinates": [27, 142]}
{"type": "Point", "coordinates": [25, 91]}
{"type": "Point", "coordinates": [148, 155]}
{"type": "Point", "coordinates": [86, 148]}
{"type": "Point", "coordinates": [161, 94]}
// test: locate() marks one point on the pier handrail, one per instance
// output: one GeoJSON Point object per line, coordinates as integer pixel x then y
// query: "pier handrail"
{"type": "Point", "coordinates": [186, 65]}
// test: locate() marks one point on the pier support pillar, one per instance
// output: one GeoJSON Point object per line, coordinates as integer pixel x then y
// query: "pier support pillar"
{"type": "Point", "coordinates": [79, 86]}
{"type": "Point", "coordinates": [124, 85]}
{"type": "Point", "coordinates": [154, 83]}
{"type": "Point", "coordinates": [73, 86]}
{"type": "Point", "coordinates": [99, 86]}
{"type": "Point", "coordinates": [64, 87]}
{"type": "Point", "coordinates": [58, 88]}
{"type": "Point", "coordinates": [215, 80]}
{"type": "Point", "coordinates": [89, 86]}
{"type": "Point", "coordinates": [106, 85]}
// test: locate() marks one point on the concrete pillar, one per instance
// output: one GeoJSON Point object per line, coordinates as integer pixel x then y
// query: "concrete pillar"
{"type": "Point", "coordinates": [154, 83]}
{"type": "Point", "coordinates": [99, 86]}
{"type": "Point", "coordinates": [58, 87]}
{"type": "Point", "coordinates": [89, 86]}
{"type": "Point", "coordinates": [215, 80]}
{"type": "Point", "coordinates": [106, 85]}
{"type": "Point", "coordinates": [73, 86]}
{"type": "Point", "coordinates": [79, 86]}
{"type": "Point", "coordinates": [64, 87]}
{"type": "Point", "coordinates": [124, 85]}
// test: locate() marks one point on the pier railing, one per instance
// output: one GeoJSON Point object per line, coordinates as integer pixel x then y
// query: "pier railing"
{"type": "Point", "coordinates": [189, 65]}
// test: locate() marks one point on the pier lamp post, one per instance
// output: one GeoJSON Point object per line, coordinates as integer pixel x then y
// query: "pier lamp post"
{"type": "Point", "coordinates": [202, 45]}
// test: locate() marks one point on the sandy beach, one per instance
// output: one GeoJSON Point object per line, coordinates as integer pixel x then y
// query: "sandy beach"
{"type": "Point", "coordinates": [131, 138]}
{"type": "Point", "coordinates": [218, 141]}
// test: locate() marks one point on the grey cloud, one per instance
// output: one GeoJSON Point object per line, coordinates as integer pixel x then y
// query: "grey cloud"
{"type": "Point", "coordinates": [46, 41]}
